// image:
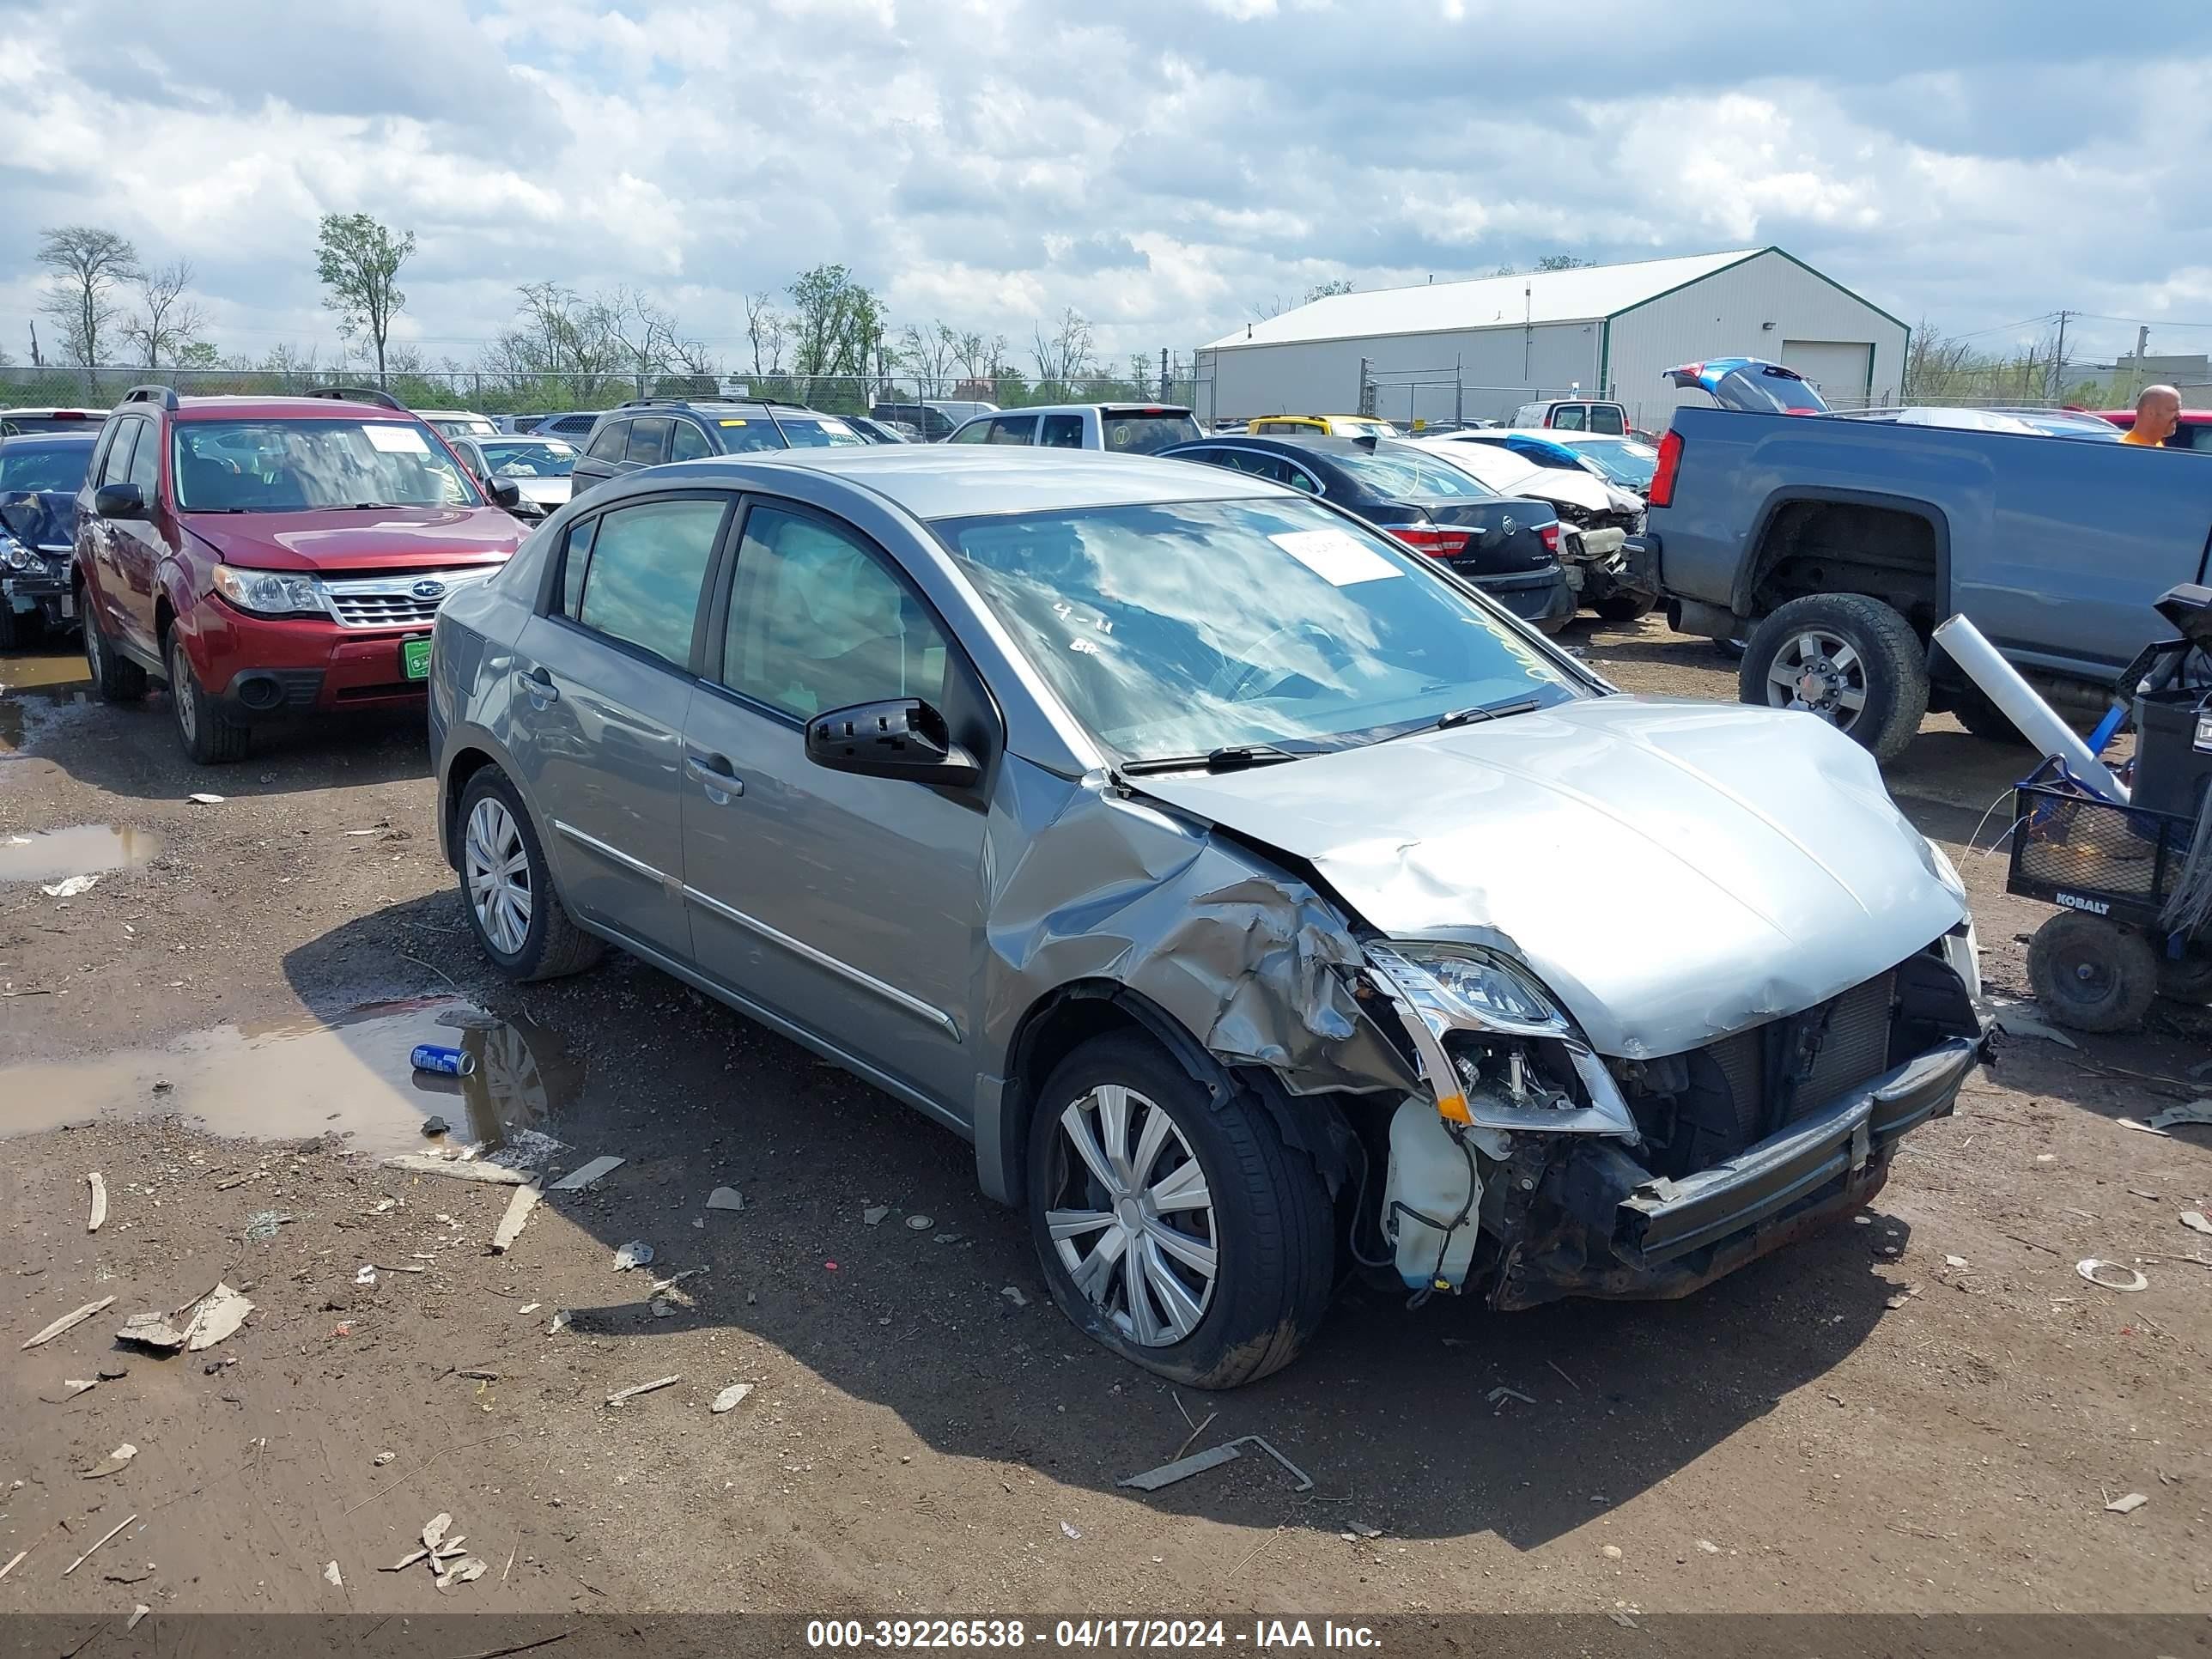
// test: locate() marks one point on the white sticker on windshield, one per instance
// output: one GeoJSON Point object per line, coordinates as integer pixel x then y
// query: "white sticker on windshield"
{"type": "Point", "coordinates": [395, 440]}
{"type": "Point", "coordinates": [1336, 557]}
{"type": "Point", "coordinates": [837, 427]}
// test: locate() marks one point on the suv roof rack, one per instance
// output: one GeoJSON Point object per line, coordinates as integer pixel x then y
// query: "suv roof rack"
{"type": "Point", "coordinates": [164, 395]}
{"type": "Point", "coordinates": [675, 402]}
{"type": "Point", "coordinates": [357, 394]}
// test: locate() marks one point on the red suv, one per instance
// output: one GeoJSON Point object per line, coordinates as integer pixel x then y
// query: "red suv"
{"type": "Point", "coordinates": [274, 555]}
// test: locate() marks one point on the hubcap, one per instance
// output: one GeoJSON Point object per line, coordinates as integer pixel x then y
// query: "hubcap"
{"type": "Point", "coordinates": [91, 647]}
{"type": "Point", "coordinates": [1821, 673]}
{"type": "Point", "coordinates": [1133, 1221]}
{"type": "Point", "coordinates": [496, 867]}
{"type": "Point", "coordinates": [180, 690]}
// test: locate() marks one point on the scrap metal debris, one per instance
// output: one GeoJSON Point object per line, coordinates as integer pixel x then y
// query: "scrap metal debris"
{"type": "Point", "coordinates": [725, 1198]}
{"type": "Point", "coordinates": [16, 1561]}
{"type": "Point", "coordinates": [332, 1575]}
{"type": "Point", "coordinates": [2112, 1275]}
{"type": "Point", "coordinates": [873, 1215]}
{"type": "Point", "coordinates": [70, 888]}
{"type": "Point", "coordinates": [203, 798]}
{"type": "Point", "coordinates": [2195, 1221]}
{"type": "Point", "coordinates": [635, 1389]}
{"type": "Point", "coordinates": [636, 1254]}
{"type": "Point", "coordinates": [2127, 1505]}
{"type": "Point", "coordinates": [118, 1460]}
{"type": "Point", "coordinates": [497, 1175]}
{"type": "Point", "coordinates": [1500, 1395]}
{"type": "Point", "coordinates": [95, 1549]}
{"type": "Point", "coordinates": [67, 1321]}
{"type": "Point", "coordinates": [2015, 1017]}
{"type": "Point", "coordinates": [98, 1202]}
{"type": "Point", "coordinates": [218, 1315]}
{"type": "Point", "coordinates": [71, 1386]}
{"type": "Point", "coordinates": [518, 1211]}
{"type": "Point", "coordinates": [1213, 1458]}
{"type": "Point", "coordinates": [2196, 1111]}
{"type": "Point", "coordinates": [921, 1224]}
{"type": "Point", "coordinates": [136, 1613]}
{"type": "Point", "coordinates": [578, 1178]}
{"type": "Point", "coordinates": [729, 1397]}
{"type": "Point", "coordinates": [1014, 1294]}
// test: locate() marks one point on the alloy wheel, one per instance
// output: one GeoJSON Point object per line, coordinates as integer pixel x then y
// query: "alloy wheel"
{"type": "Point", "coordinates": [1820, 672]}
{"type": "Point", "coordinates": [180, 690]}
{"type": "Point", "coordinates": [498, 874]}
{"type": "Point", "coordinates": [1133, 1221]}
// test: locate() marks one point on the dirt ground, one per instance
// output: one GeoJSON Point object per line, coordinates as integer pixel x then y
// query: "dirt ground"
{"type": "Point", "coordinates": [1926, 1411]}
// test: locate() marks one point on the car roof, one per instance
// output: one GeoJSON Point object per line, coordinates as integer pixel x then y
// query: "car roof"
{"type": "Point", "coordinates": [227, 407]}
{"type": "Point", "coordinates": [1321, 444]}
{"type": "Point", "coordinates": [34, 439]}
{"type": "Point", "coordinates": [932, 482]}
{"type": "Point", "coordinates": [1077, 409]}
{"type": "Point", "coordinates": [53, 408]}
{"type": "Point", "coordinates": [449, 415]}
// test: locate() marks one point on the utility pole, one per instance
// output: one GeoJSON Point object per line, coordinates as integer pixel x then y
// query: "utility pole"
{"type": "Point", "coordinates": [37, 362]}
{"type": "Point", "coordinates": [2142, 350]}
{"type": "Point", "coordinates": [2058, 363]}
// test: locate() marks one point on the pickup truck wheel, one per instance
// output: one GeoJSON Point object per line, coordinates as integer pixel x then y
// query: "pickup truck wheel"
{"type": "Point", "coordinates": [2092, 975]}
{"type": "Point", "coordinates": [1176, 1229]}
{"type": "Point", "coordinates": [1852, 661]}
{"type": "Point", "coordinates": [1984, 719]}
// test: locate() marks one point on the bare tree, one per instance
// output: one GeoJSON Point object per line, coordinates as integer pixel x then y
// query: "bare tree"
{"type": "Point", "coordinates": [933, 352]}
{"type": "Point", "coordinates": [1065, 354]}
{"type": "Point", "coordinates": [1562, 261]}
{"type": "Point", "coordinates": [766, 328]}
{"type": "Point", "coordinates": [979, 356]}
{"type": "Point", "coordinates": [643, 329]}
{"type": "Point", "coordinates": [91, 264]}
{"type": "Point", "coordinates": [1324, 290]}
{"type": "Point", "coordinates": [358, 260]}
{"type": "Point", "coordinates": [168, 325]}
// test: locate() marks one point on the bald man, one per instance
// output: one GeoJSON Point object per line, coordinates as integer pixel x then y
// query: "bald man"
{"type": "Point", "coordinates": [2158, 412]}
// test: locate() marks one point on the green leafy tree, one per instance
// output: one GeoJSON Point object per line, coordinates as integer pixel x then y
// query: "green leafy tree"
{"type": "Point", "coordinates": [358, 260]}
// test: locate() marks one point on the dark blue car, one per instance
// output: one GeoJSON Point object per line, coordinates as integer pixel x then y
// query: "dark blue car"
{"type": "Point", "coordinates": [39, 476]}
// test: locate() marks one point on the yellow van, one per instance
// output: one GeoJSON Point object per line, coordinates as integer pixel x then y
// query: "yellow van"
{"type": "Point", "coordinates": [1319, 426]}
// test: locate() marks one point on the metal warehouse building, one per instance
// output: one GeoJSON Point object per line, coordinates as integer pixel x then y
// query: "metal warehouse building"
{"type": "Point", "coordinates": [1467, 350]}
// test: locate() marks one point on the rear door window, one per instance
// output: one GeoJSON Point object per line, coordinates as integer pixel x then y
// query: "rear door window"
{"type": "Point", "coordinates": [1060, 432]}
{"type": "Point", "coordinates": [649, 442]}
{"type": "Point", "coordinates": [1570, 418]}
{"type": "Point", "coordinates": [612, 439]}
{"type": "Point", "coordinates": [647, 567]}
{"type": "Point", "coordinates": [1013, 429]}
{"type": "Point", "coordinates": [690, 443]}
{"type": "Point", "coordinates": [976, 432]}
{"type": "Point", "coordinates": [146, 461]}
{"type": "Point", "coordinates": [115, 458]}
{"type": "Point", "coordinates": [1606, 418]}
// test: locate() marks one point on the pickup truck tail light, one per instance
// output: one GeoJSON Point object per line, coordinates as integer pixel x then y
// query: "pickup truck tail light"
{"type": "Point", "coordinates": [1435, 540]}
{"type": "Point", "coordinates": [1661, 493]}
{"type": "Point", "coordinates": [1550, 535]}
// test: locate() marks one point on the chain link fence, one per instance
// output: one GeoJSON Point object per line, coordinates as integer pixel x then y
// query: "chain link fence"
{"type": "Point", "coordinates": [23, 385]}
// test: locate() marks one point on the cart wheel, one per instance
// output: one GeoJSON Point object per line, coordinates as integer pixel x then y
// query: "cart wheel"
{"type": "Point", "coordinates": [2188, 980]}
{"type": "Point", "coordinates": [2092, 975]}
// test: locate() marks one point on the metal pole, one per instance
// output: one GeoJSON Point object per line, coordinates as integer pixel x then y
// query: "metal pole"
{"type": "Point", "coordinates": [1459, 394]}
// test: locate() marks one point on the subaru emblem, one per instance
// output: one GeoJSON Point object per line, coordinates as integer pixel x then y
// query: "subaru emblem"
{"type": "Point", "coordinates": [427, 589]}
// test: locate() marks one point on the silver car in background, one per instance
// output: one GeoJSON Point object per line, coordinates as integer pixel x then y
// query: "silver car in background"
{"type": "Point", "coordinates": [538, 467]}
{"type": "Point", "coordinates": [1193, 850]}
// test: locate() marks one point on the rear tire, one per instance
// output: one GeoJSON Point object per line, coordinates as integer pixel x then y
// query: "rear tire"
{"type": "Point", "coordinates": [2188, 980]}
{"type": "Point", "coordinates": [527, 933]}
{"type": "Point", "coordinates": [1618, 608]}
{"type": "Point", "coordinates": [210, 735]}
{"type": "Point", "coordinates": [2092, 975]}
{"type": "Point", "coordinates": [1984, 719]}
{"type": "Point", "coordinates": [1869, 669]}
{"type": "Point", "coordinates": [1263, 1221]}
{"type": "Point", "coordinates": [115, 677]}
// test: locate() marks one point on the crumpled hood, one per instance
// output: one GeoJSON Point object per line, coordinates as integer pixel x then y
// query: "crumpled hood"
{"type": "Point", "coordinates": [1673, 871]}
{"type": "Point", "coordinates": [376, 538]}
{"type": "Point", "coordinates": [43, 519]}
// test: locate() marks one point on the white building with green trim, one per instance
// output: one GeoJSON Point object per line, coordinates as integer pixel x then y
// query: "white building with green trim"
{"type": "Point", "coordinates": [1481, 349]}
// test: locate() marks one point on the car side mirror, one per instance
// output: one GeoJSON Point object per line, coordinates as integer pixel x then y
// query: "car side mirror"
{"type": "Point", "coordinates": [898, 738]}
{"type": "Point", "coordinates": [504, 492]}
{"type": "Point", "coordinates": [119, 501]}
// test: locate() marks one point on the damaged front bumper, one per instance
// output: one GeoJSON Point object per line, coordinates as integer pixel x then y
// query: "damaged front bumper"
{"type": "Point", "coordinates": [1615, 1231]}
{"type": "Point", "coordinates": [1599, 566]}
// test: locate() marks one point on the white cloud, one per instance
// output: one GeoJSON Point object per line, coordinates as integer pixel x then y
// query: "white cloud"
{"type": "Point", "coordinates": [1162, 168]}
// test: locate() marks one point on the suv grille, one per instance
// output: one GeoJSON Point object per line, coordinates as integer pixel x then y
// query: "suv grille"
{"type": "Point", "coordinates": [393, 601]}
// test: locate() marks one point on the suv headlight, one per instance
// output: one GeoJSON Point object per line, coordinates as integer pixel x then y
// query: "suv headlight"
{"type": "Point", "coordinates": [13, 556]}
{"type": "Point", "coordinates": [270, 593]}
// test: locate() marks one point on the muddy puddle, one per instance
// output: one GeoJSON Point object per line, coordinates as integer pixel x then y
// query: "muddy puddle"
{"type": "Point", "coordinates": [83, 849]}
{"type": "Point", "coordinates": [36, 687]}
{"type": "Point", "coordinates": [287, 1080]}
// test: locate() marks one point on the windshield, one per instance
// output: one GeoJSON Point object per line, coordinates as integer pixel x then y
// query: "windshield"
{"type": "Point", "coordinates": [58, 466]}
{"type": "Point", "coordinates": [1409, 475]}
{"type": "Point", "coordinates": [297, 466]}
{"type": "Point", "coordinates": [49, 420]}
{"type": "Point", "coordinates": [1146, 432]}
{"type": "Point", "coordinates": [1178, 629]}
{"type": "Point", "coordinates": [817, 431]}
{"type": "Point", "coordinates": [552, 460]}
{"type": "Point", "coordinates": [1628, 463]}
{"type": "Point", "coordinates": [464, 426]}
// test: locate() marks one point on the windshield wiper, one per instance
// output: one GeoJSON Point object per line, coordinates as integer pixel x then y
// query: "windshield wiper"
{"type": "Point", "coordinates": [1234, 758]}
{"type": "Point", "coordinates": [1487, 711]}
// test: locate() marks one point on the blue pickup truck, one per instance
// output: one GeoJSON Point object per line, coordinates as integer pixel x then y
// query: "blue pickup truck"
{"type": "Point", "coordinates": [1834, 546]}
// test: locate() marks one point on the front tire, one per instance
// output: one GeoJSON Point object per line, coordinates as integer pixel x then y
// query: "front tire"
{"type": "Point", "coordinates": [210, 737]}
{"type": "Point", "coordinates": [1179, 1231]}
{"type": "Point", "coordinates": [507, 887]}
{"type": "Point", "coordinates": [2092, 975]}
{"type": "Point", "coordinates": [1853, 661]}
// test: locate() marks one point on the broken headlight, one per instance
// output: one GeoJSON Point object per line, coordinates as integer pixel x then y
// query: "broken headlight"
{"type": "Point", "coordinates": [1497, 1051]}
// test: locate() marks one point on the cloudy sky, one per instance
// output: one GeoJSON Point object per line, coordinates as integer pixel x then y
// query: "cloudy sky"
{"type": "Point", "coordinates": [1166, 166]}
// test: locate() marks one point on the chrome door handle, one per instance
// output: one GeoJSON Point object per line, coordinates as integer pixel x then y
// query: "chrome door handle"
{"type": "Point", "coordinates": [718, 779]}
{"type": "Point", "coordinates": [542, 690]}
